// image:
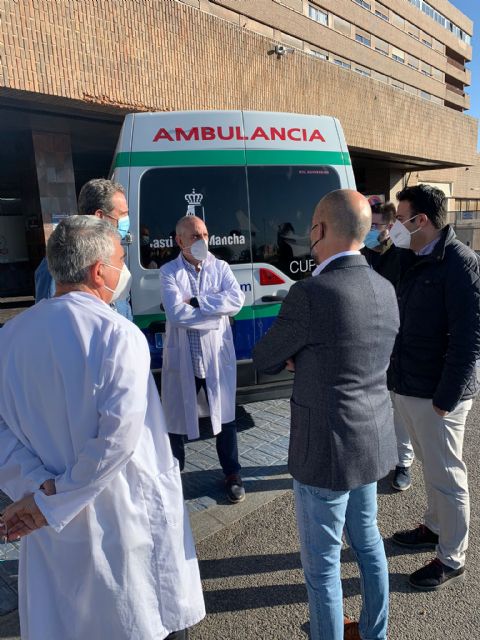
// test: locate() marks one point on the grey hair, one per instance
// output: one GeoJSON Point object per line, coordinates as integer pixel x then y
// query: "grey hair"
{"type": "Point", "coordinates": [76, 244]}
{"type": "Point", "coordinates": [183, 222]}
{"type": "Point", "coordinates": [97, 194]}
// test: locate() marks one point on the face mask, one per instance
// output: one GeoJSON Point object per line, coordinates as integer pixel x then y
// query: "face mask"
{"type": "Point", "coordinates": [199, 250]}
{"type": "Point", "coordinates": [400, 235]}
{"type": "Point", "coordinates": [123, 285]}
{"type": "Point", "coordinates": [371, 239]}
{"type": "Point", "coordinates": [123, 226]}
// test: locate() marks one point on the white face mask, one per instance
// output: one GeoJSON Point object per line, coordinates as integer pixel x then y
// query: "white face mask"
{"type": "Point", "coordinates": [199, 250]}
{"type": "Point", "coordinates": [123, 285]}
{"type": "Point", "coordinates": [400, 235]}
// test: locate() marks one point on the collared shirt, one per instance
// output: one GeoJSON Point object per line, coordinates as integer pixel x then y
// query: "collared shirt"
{"type": "Point", "coordinates": [194, 277]}
{"type": "Point", "coordinates": [323, 264]}
{"type": "Point", "coordinates": [428, 248]}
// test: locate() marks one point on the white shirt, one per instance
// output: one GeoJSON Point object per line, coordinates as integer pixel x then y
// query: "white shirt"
{"type": "Point", "coordinates": [319, 268]}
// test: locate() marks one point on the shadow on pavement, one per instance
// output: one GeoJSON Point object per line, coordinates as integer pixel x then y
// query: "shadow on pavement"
{"type": "Point", "coordinates": [209, 482]}
{"type": "Point", "coordinates": [248, 565]}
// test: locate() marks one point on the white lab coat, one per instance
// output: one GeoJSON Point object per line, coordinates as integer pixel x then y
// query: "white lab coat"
{"type": "Point", "coordinates": [79, 404]}
{"type": "Point", "coordinates": [220, 297]}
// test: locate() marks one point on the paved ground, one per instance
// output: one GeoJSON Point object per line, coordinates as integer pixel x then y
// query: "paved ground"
{"type": "Point", "coordinates": [249, 553]}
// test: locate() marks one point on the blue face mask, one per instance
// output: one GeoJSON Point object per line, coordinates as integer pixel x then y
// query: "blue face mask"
{"type": "Point", "coordinates": [123, 226]}
{"type": "Point", "coordinates": [371, 239]}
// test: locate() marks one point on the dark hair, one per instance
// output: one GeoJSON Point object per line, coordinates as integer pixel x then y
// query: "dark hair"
{"type": "Point", "coordinates": [97, 194]}
{"type": "Point", "coordinates": [428, 200]}
{"type": "Point", "coordinates": [388, 212]}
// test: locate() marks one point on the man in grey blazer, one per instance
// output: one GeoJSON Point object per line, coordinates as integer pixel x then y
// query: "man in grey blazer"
{"type": "Point", "coordinates": [336, 330]}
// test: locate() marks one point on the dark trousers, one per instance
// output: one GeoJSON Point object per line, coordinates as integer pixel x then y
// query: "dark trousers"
{"type": "Point", "coordinates": [178, 635]}
{"type": "Point", "coordinates": [226, 442]}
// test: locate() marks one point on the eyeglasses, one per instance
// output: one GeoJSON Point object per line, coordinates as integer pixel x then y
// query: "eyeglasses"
{"type": "Point", "coordinates": [112, 217]}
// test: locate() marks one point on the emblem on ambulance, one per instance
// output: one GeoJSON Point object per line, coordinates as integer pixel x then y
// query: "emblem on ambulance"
{"type": "Point", "coordinates": [194, 207]}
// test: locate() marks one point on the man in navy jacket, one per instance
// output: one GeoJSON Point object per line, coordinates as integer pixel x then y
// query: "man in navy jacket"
{"type": "Point", "coordinates": [432, 374]}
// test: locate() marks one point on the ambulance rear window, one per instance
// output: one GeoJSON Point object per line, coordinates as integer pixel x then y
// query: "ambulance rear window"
{"type": "Point", "coordinates": [216, 194]}
{"type": "Point", "coordinates": [282, 201]}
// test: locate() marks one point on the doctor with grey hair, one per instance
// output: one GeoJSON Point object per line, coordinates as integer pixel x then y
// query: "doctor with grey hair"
{"type": "Point", "coordinates": [85, 456]}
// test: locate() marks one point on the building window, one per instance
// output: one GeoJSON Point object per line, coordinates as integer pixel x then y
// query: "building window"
{"type": "Point", "coordinates": [363, 4]}
{"type": "Point", "coordinates": [381, 12]}
{"type": "Point", "coordinates": [441, 20]}
{"type": "Point", "coordinates": [323, 55]}
{"type": "Point", "coordinates": [363, 37]}
{"type": "Point", "coordinates": [427, 41]}
{"type": "Point", "coordinates": [425, 95]}
{"type": "Point", "coordinates": [438, 46]}
{"type": "Point", "coordinates": [342, 26]}
{"type": "Point", "coordinates": [411, 89]}
{"type": "Point", "coordinates": [398, 55]}
{"type": "Point", "coordinates": [413, 62]}
{"type": "Point", "coordinates": [317, 15]}
{"type": "Point", "coordinates": [437, 74]}
{"type": "Point", "coordinates": [397, 20]}
{"type": "Point", "coordinates": [397, 84]}
{"type": "Point", "coordinates": [381, 46]}
{"type": "Point", "coordinates": [363, 72]}
{"type": "Point", "coordinates": [426, 69]}
{"type": "Point", "coordinates": [380, 76]}
{"type": "Point", "coordinates": [342, 63]}
{"type": "Point", "coordinates": [413, 30]}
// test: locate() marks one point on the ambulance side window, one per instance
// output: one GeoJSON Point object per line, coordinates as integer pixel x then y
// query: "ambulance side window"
{"type": "Point", "coordinates": [216, 194]}
{"type": "Point", "coordinates": [282, 201]}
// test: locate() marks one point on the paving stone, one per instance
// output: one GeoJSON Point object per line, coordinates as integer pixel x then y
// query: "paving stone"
{"type": "Point", "coordinates": [274, 450]}
{"type": "Point", "coordinates": [259, 457]}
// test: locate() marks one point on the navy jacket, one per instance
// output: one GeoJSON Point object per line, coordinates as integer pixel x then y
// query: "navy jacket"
{"type": "Point", "coordinates": [340, 327]}
{"type": "Point", "coordinates": [439, 339]}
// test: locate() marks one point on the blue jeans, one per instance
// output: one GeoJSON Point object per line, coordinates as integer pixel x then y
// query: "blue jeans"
{"type": "Point", "coordinates": [322, 515]}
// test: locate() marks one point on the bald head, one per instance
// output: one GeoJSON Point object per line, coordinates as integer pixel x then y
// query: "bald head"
{"type": "Point", "coordinates": [347, 213]}
{"type": "Point", "coordinates": [340, 222]}
{"type": "Point", "coordinates": [187, 223]}
{"type": "Point", "coordinates": [188, 230]}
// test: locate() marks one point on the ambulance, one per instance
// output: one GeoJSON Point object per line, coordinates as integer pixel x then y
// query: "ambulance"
{"type": "Point", "coordinates": [254, 177]}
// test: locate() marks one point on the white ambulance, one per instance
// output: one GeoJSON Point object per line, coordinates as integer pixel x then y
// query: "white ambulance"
{"type": "Point", "coordinates": [255, 178]}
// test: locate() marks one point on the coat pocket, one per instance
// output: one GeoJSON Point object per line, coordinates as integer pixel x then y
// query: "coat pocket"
{"type": "Point", "coordinates": [299, 433]}
{"type": "Point", "coordinates": [169, 485]}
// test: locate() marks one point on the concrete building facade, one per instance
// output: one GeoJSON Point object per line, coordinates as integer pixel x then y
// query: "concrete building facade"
{"type": "Point", "coordinates": [394, 73]}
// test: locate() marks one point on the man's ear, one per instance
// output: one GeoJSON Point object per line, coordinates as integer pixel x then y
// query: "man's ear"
{"type": "Point", "coordinates": [96, 274]}
{"type": "Point", "coordinates": [423, 219]}
{"type": "Point", "coordinates": [178, 240]}
{"type": "Point", "coordinates": [98, 213]}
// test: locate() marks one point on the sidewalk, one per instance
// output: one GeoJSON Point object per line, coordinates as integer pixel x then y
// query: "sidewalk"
{"type": "Point", "coordinates": [249, 557]}
{"type": "Point", "coordinates": [263, 448]}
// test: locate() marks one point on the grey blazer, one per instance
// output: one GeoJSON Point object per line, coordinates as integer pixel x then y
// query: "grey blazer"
{"type": "Point", "coordinates": [339, 327]}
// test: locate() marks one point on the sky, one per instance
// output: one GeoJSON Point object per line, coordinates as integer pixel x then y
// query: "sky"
{"type": "Point", "coordinates": [471, 8]}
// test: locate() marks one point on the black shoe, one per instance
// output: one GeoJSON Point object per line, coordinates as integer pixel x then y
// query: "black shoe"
{"type": "Point", "coordinates": [401, 479]}
{"type": "Point", "coordinates": [234, 488]}
{"type": "Point", "coordinates": [419, 538]}
{"type": "Point", "coordinates": [435, 575]}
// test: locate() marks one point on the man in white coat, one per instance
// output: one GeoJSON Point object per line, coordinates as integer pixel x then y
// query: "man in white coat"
{"type": "Point", "coordinates": [110, 552]}
{"type": "Point", "coordinates": [199, 293]}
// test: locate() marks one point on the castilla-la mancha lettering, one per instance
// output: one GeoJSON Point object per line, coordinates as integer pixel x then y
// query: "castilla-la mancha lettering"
{"type": "Point", "coordinates": [295, 134]}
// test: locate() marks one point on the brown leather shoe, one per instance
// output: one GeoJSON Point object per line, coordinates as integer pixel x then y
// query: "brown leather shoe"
{"type": "Point", "coordinates": [350, 629]}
